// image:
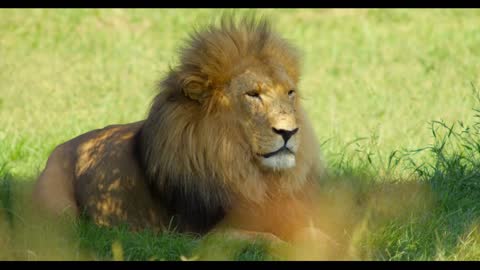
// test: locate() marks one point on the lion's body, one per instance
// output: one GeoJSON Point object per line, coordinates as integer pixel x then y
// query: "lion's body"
{"type": "Point", "coordinates": [98, 173]}
{"type": "Point", "coordinates": [212, 151]}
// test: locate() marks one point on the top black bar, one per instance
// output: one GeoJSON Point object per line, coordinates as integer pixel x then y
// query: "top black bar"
{"type": "Point", "coordinates": [240, 4]}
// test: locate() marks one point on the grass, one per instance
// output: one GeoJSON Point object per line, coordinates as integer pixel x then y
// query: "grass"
{"type": "Point", "coordinates": [390, 93]}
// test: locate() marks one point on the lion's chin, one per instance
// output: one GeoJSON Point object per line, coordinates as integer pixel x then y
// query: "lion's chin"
{"type": "Point", "coordinates": [280, 161]}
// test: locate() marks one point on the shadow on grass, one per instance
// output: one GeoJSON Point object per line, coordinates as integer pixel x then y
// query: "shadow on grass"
{"type": "Point", "coordinates": [432, 216]}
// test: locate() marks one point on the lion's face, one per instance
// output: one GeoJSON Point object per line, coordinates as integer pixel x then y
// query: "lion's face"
{"type": "Point", "coordinates": [265, 103]}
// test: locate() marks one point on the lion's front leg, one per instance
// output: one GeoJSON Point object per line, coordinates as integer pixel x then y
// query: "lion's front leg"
{"type": "Point", "coordinates": [308, 243]}
{"type": "Point", "coordinates": [311, 243]}
{"type": "Point", "coordinates": [240, 234]}
{"type": "Point", "coordinates": [228, 243]}
{"type": "Point", "coordinates": [314, 234]}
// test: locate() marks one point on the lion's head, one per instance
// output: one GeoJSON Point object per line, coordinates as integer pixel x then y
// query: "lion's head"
{"type": "Point", "coordinates": [228, 119]}
{"type": "Point", "coordinates": [264, 99]}
{"type": "Point", "coordinates": [249, 72]}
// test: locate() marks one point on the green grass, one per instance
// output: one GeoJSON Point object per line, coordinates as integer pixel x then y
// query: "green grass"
{"type": "Point", "coordinates": [382, 88]}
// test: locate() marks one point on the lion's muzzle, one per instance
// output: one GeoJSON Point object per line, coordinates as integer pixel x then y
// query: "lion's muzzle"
{"type": "Point", "coordinates": [284, 156]}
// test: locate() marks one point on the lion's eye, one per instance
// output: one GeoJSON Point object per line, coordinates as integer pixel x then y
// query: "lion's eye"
{"type": "Point", "coordinates": [254, 94]}
{"type": "Point", "coordinates": [291, 93]}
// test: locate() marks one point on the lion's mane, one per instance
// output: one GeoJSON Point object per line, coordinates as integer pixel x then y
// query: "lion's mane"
{"type": "Point", "coordinates": [194, 154]}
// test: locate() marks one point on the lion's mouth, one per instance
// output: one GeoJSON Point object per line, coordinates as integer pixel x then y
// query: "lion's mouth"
{"type": "Point", "coordinates": [283, 149]}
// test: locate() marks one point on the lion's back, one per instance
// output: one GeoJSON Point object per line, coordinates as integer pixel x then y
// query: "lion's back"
{"type": "Point", "coordinates": [99, 174]}
{"type": "Point", "coordinates": [110, 184]}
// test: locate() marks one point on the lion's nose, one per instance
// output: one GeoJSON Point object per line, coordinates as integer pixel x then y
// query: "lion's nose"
{"type": "Point", "coordinates": [286, 134]}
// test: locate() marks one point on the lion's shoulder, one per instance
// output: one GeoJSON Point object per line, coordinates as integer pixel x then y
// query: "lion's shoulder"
{"type": "Point", "coordinates": [106, 146]}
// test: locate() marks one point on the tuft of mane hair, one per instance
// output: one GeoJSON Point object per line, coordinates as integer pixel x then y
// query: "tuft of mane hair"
{"type": "Point", "coordinates": [215, 54]}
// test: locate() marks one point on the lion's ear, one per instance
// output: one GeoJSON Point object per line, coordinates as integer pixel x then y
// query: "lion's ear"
{"type": "Point", "coordinates": [196, 88]}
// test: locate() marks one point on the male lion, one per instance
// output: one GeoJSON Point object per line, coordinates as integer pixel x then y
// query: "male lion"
{"type": "Point", "coordinates": [226, 143]}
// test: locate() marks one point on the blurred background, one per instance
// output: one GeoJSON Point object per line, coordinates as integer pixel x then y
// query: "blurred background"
{"type": "Point", "coordinates": [378, 76]}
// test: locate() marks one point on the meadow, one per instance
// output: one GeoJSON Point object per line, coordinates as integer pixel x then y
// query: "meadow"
{"type": "Point", "coordinates": [392, 94]}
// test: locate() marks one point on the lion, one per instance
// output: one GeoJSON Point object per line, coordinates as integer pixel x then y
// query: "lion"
{"type": "Point", "coordinates": [226, 144]}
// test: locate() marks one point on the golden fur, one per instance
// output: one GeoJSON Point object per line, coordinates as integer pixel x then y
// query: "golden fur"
{"type": "Point", "coordinates": [196, 161]}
